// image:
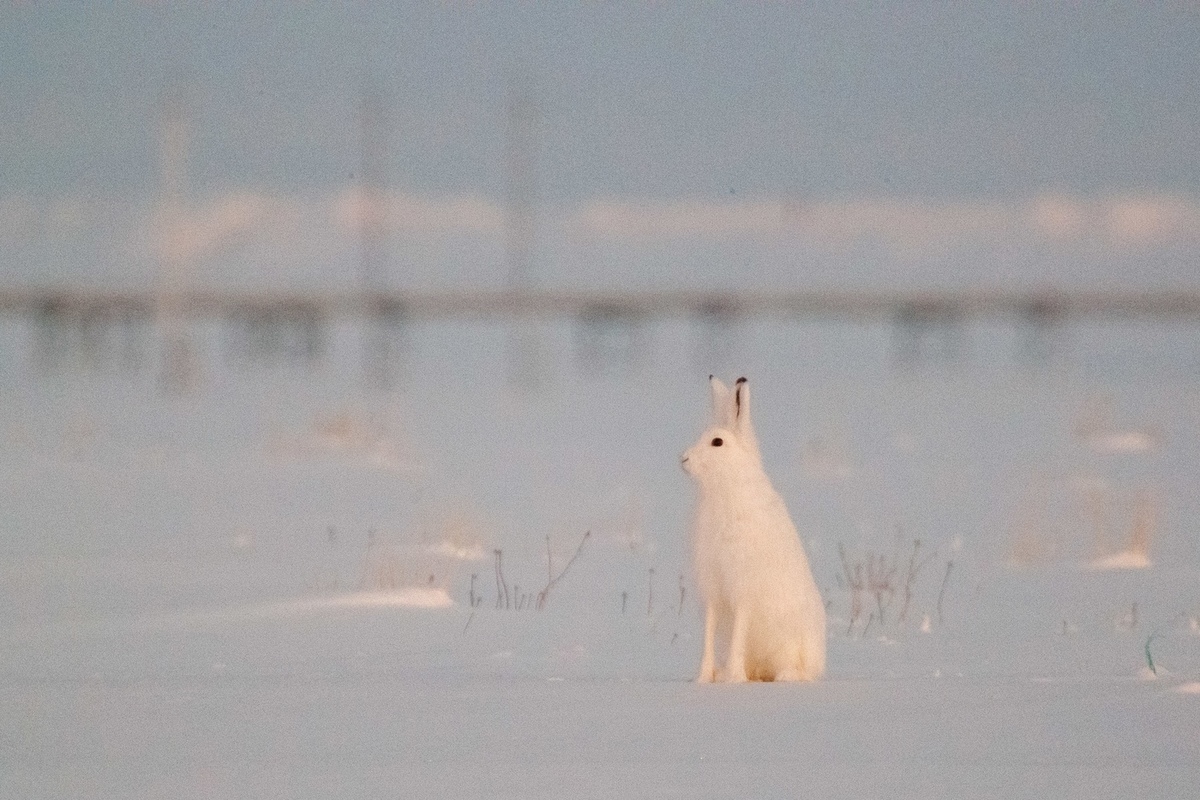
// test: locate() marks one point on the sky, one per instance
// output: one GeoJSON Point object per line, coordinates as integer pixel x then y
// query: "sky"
{"type": "Point", "coordinates": [658, 100]}
{"type": "Point", "coordinates": [960, 106]}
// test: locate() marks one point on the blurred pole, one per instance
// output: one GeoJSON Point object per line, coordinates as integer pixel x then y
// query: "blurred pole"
{"type": "Point", "coordinates": [132, 332]}
{"type": "Point", "coordinates": [1041, 323]}
{"type": "Point", "coordinates": [527, 359]}
{"type": "Point", "coordinates": [49, 336]}
{"type": "Point", "coordinates": [928, 334]}
{"type": "Point", "coordinates": [178, 368]}
{"type": "Point", "coordinates": [383, 320]}
{"type": "Point", "coordinates": [519, 171]}
{"type": "Point", "coordinates": [372, 192]}
{"type": "Point", "coordinates": [716, 339]}
{"type": "Point", "coordinates": [609, 341]}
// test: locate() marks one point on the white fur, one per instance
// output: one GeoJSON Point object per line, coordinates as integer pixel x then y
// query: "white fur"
{"type": "Point", "coordinates": [760, 598]}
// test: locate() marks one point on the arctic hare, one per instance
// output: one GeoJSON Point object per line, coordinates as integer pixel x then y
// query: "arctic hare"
{"type": "Point", "coordinates": [759, 593]}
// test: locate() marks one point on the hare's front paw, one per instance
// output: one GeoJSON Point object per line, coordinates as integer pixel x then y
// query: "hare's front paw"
{"type": "Point", "coordinates": [708, 674]}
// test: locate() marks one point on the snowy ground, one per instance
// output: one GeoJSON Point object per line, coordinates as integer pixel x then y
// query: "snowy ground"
{"type": "Point", "coordinates": [285, 586]}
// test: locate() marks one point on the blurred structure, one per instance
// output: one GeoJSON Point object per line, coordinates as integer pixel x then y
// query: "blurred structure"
{"type": "Point", "coordinates": [610, 340]}
{"type": "Point", "coordinates": [105, 337]}
{"type": "Point", "coordinates": [527, 359]}
{"type": "Point", "coordinates": [178, 367]}
{"type": "Point", "coordinates": [96, 329]}
{"type": "Point", "coordinates": [383, 325]}
{"type": "Point", "coordinates": [928, 331]}
{"type": "Point", "coordinates": [715, 336]}
{"type": "Point", "coordinates": [1042, 329]}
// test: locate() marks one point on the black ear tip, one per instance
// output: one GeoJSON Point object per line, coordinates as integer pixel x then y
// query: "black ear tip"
{"type": "Point", "coordinates": [741, 380]}
{"type": "Point", "coordinates": [710, 377]}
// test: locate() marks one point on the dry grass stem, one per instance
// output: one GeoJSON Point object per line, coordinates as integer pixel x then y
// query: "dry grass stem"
{"type": "Point", "coordinates": [942, 591]}
{"type": "Point", "coordinates": [502, 600]}
{"type": "Point", "coordinates": [551, 579]}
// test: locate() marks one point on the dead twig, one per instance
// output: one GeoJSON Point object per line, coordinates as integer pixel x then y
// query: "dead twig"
{"type": "Point", "coordinates": [942, 591]}
{"type": "Point", "coordinates": [915, 565]}
{"type": "Point", "coordinates": [502, 600]}
{"type": "Point", "coordinates": [552, 580]}
{"type": "Point", "coordinates": [854, 579]}
{"type": "Point", "coordinates": [650, 594]}
{"type": "Point", "coordinates": [879, 582]}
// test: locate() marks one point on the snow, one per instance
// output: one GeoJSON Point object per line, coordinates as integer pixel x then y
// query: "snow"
{"type": "Point", "coordinates": [1126, 559]}
{"type": "Point", "coordinates": [234, 595]}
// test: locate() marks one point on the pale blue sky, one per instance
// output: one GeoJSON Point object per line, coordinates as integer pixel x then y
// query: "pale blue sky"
{"type": "Point", "coordinates": [669, 100]}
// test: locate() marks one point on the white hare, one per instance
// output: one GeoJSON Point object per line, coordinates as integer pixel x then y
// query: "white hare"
{"type": "Point", "coordinates": [759, 593]}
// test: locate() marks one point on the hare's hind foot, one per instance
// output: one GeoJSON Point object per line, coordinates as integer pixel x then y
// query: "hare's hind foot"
{"type": "Point", "coordinates": [793, 674]}
{"type": "Point", "coordinates": [734, 675]}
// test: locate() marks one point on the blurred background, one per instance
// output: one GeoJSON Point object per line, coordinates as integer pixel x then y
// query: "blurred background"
{"type": "Point", "coordinates": [280, 283]}
{"type": "Point", "coordinates": [829, 145]}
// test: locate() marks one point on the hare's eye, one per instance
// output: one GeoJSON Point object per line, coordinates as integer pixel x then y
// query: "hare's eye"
{"type": "Point", "coordinates": [717, 442]}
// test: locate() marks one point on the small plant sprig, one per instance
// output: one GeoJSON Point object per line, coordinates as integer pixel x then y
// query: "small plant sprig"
{"type": "Point", "coordinates": [650, 593]}
{"type": "Point", "coordinates": [475, 598]}
{"type": "Point", "coordinates": [552, 580]}
{"type": "Point", "coordinates": [856, 583]}
{"type": "Point", "coordinates": [502, 600]}
{"type": "Point", "coordinates": [915, 565]}
{"type": "Point", "coordinates": [514, 599]}
{"type": "Point", "coordinates": [878, 576]}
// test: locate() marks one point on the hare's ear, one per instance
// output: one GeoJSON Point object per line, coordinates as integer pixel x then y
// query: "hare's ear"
{"type": "Point", "coordinates": [722, 403]}
{"type": "Point", "coordinates": [741, 415]}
